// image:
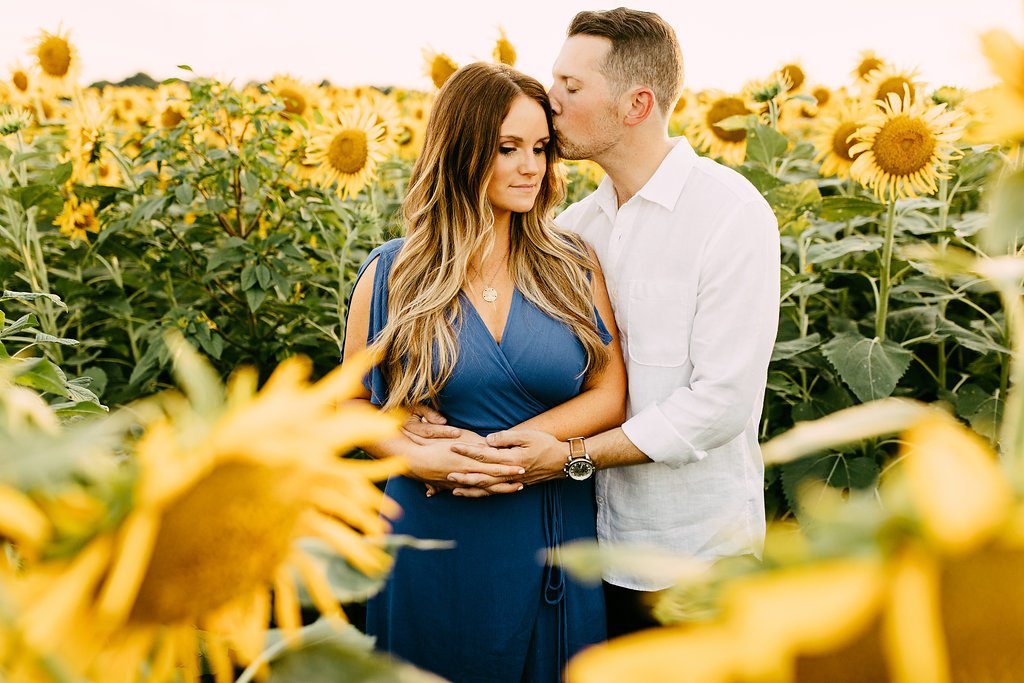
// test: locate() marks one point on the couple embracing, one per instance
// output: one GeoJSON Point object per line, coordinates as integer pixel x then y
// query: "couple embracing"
{"type": "Point", "coordinates": [599, 375]}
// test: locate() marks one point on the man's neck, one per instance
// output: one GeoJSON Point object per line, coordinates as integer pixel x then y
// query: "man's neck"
{"type": "Point", "coordinates": [632, 162]}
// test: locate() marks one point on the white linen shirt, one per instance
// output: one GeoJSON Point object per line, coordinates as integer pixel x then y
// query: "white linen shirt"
{"type": "Point", "coordinates": [691, 264]}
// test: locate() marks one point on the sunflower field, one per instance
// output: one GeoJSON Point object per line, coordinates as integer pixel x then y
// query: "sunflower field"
{"type": "Point", "coordinates": [176, 262]}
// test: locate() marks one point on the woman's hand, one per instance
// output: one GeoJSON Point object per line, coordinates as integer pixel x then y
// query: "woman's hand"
{"type": "Point", "coordinates": [434, 463]}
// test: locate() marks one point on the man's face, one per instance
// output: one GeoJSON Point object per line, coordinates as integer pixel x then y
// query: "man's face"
{"type": "Point", "coordinates": [586, 114]}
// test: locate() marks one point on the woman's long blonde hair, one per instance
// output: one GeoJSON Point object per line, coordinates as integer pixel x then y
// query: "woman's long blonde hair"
{"type": "Point", "coordinates": [448, 221]}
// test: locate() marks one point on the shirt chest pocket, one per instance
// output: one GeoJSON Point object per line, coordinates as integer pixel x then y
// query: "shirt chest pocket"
{"type": "Point", "coordinates": [660, 319]}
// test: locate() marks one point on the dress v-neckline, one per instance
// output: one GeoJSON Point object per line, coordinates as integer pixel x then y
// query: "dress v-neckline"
{"type": "Point", "coordinates": [508, 316]}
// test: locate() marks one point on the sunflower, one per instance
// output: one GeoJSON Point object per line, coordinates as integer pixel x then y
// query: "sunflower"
{"type": "Point", "coordinates": [794, 74]}
{"type": "Point", "coordinates": [14, 120]}
{"type": "Point", "coordinates": [1006, 101]}
{"type": "Point", "coordinates": [438, 66]}
{"type": "Point", "coordinates": [386, 114]}
{"type": "Point", "coordinates": [504, 51]}
{"type": "Point", "coordinates": [834, 138]}
{"type": "Point", "coordinates": [887, 81]}
{"type": "Point", "coordinates": [86, 134]}
{"type": "Point", "coordinates": [226, 489]}
{"type": "Point", "coordinates": [868, 64]}
{"type": "Point", "coordinates": [77, 219]}
{"type": "Point", "coordinates": [170, 105]}
{"type": "Point", "coordinates": [933, 602]}
{"type": "Point", "coordinates": [730, 145]}
{"type": "Point", "coordinates": [299, 99]}
{"type": "Point", "coordinates": [409, 137]}
{"type": "Point", "coordinates": [347, 150]}
{"type": "Point", "coordinates": [57, 59]}
{"type": "Point", "coordinates": [20, 81]}
{"type": "Point", "coordinates": [900, 150]}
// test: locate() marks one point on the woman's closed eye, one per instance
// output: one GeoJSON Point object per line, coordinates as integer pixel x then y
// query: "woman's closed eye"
{"type": "Point", "coordinates": [506, 150]}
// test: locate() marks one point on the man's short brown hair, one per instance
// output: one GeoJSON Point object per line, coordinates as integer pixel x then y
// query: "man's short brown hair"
{"type": "Point", "coordinates": [644, 51]}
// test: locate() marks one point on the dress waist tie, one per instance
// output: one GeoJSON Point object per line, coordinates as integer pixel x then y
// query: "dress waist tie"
{"type": "Point", "coordinates": [554, 581]}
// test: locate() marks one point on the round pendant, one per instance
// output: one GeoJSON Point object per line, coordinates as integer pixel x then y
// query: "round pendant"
{"type": "Point", "coordinates": [490, 294]}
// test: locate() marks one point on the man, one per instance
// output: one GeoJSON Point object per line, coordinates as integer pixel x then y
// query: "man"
{"type": "Point", "coordinates": [690, 254]}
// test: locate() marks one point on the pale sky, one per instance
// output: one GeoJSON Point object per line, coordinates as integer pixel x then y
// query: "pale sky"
{"type": "Point", "coordinates": [724, 42]}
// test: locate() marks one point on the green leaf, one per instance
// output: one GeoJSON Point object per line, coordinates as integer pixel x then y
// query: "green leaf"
{"type": "Point", "coordinates": [988, 416]}
{"type": "Point", "coordinates": [919, 322]}
{"type": "Point", "coordinates": [792, 200]}
{"type": "Point", "coordinates": [27, 320]}
{"type": "Point", "coordinates": [759, 178]}
{"type": "Point", "coordinates": [255, 298]}
{"type": "Point", "coordinates": [765, 144]}
{"type": "Point", "coordinates": [79, 408]}
{"type": "Point", "coordinates": [870, 367]}
{"type": "Point", "coordinates": [968, 339]}
{"type": "Point", "coordinates": [250, 182]}
{"type": "Point", "coordinates": [47, 377]}
{"type": "Point", "coordinates": [249, 276]}
{"type": "Point", "coordinates": [32, 296]}
{"type": "Point", "coordinates": [227, 256]}
{"type": "Point", "coordinates": [338, 652]}
{"type": "Point", "coordinates": [845, 208]}
{"type": "Point", "coordinates": [830, 251]}
{"type": "Point", "coordinates": [263, 276]}
{"type": "Point", "coordinates": [788, 349]}
{"type": "Point", "coordinates": [835, 469]}
{"type": "Point", "coordinates": [184, 193]}
{"type": "Point", "coordinates": [63, 341]}
{"type": "Point", "coordinates": [61, 173]}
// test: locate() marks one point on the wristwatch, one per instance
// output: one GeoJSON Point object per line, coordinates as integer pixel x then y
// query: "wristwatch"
{"type": "Point", "coordinates": [579, 466]}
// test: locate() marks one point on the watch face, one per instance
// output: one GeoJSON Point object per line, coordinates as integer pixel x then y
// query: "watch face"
{"type": "Point", "coordinates": [580, 469]}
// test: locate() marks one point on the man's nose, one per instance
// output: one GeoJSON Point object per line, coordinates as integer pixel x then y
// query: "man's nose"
{"type": "Point", "coordinates": [556, 108]}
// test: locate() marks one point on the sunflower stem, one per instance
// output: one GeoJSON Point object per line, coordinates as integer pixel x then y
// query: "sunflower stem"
{"type": "Point", "coordinates": [884, 283]}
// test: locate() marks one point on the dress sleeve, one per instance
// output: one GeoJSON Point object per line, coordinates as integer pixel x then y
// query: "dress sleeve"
{"type": "Point", "coordinates": [385, 255]}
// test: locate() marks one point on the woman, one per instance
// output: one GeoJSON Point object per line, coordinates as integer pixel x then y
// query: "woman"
{"type": "Point", "coordinates": [486, 311]}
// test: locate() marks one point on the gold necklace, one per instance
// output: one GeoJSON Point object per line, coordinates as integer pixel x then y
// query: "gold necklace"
{"type": "Point", "coordinates": [489, 293]}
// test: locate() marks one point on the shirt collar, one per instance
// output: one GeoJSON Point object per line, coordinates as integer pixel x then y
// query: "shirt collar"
{"type": "Point", "coordinates": [661, 188]}
{"type": "Point", "coordinates": [667, 182]}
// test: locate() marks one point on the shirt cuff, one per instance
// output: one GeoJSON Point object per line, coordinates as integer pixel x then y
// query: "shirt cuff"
{"type": "Point", "coordinates": [653, 434]}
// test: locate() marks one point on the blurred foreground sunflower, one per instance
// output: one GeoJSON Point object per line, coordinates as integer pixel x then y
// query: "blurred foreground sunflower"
{"type": "Point", "coordinates": [57, 59]}
{"type": "Point", "coordinates": [228, 483]}
{"type": "Point", "coordinates": [938, 599]}
{"type": "Point", "coordinates": [1006, 101]}
{"type": "Point", "coordinates": [346, 149]}
{"type": "Point", "coordinates": [729, 144]}
{"type": "Point", "coordinates": [901, 150]}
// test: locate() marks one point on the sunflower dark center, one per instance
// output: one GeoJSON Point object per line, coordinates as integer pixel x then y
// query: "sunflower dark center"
{"type": "Point", "coordinates": [903, 146]}
{"type": "Point", "coordinates": [795, 75]}
{"type": "Point", "coordinates": [20, 79]}
{"type": "Point", "coordinates": [841, 143]}
{"type": "Point", "coordinates": [55, 57]}
{"type": "Point", "coordinates": [895, 84]}
{"type": "Point", "coordinates": [347, 152]}
{"type": "Point", "coordinates": [723, 109]}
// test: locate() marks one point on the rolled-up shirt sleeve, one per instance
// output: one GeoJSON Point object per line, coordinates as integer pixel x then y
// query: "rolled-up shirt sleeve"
{"type": "Point", "coordinates": [734, 326]}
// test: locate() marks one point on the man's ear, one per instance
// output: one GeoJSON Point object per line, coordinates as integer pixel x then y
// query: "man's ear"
{"type": "Point", "coordinates": [641, 104]}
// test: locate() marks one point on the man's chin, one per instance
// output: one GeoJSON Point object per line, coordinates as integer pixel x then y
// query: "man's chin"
{"type": "Point", "coordinates": [572, 152]}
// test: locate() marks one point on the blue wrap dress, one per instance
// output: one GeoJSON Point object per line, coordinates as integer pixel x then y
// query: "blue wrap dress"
{"type": "Point", "coordinates": [490, 608]}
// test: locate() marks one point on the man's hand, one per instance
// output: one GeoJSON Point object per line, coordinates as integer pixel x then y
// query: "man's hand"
{"type": "Point", "coordinates": [539, 454]}
{"type": "Point", "coordinates": [426, 423]}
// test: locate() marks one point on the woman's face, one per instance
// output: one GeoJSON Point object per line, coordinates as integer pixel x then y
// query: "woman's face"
{"type": "Point", "coordinates": [521, 163]}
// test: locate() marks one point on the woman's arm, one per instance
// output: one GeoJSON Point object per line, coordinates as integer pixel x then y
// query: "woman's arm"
{"type": "Point", "coordinates": [429, 461]}
{"type": "Point", "coordinates": [601, 405]}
